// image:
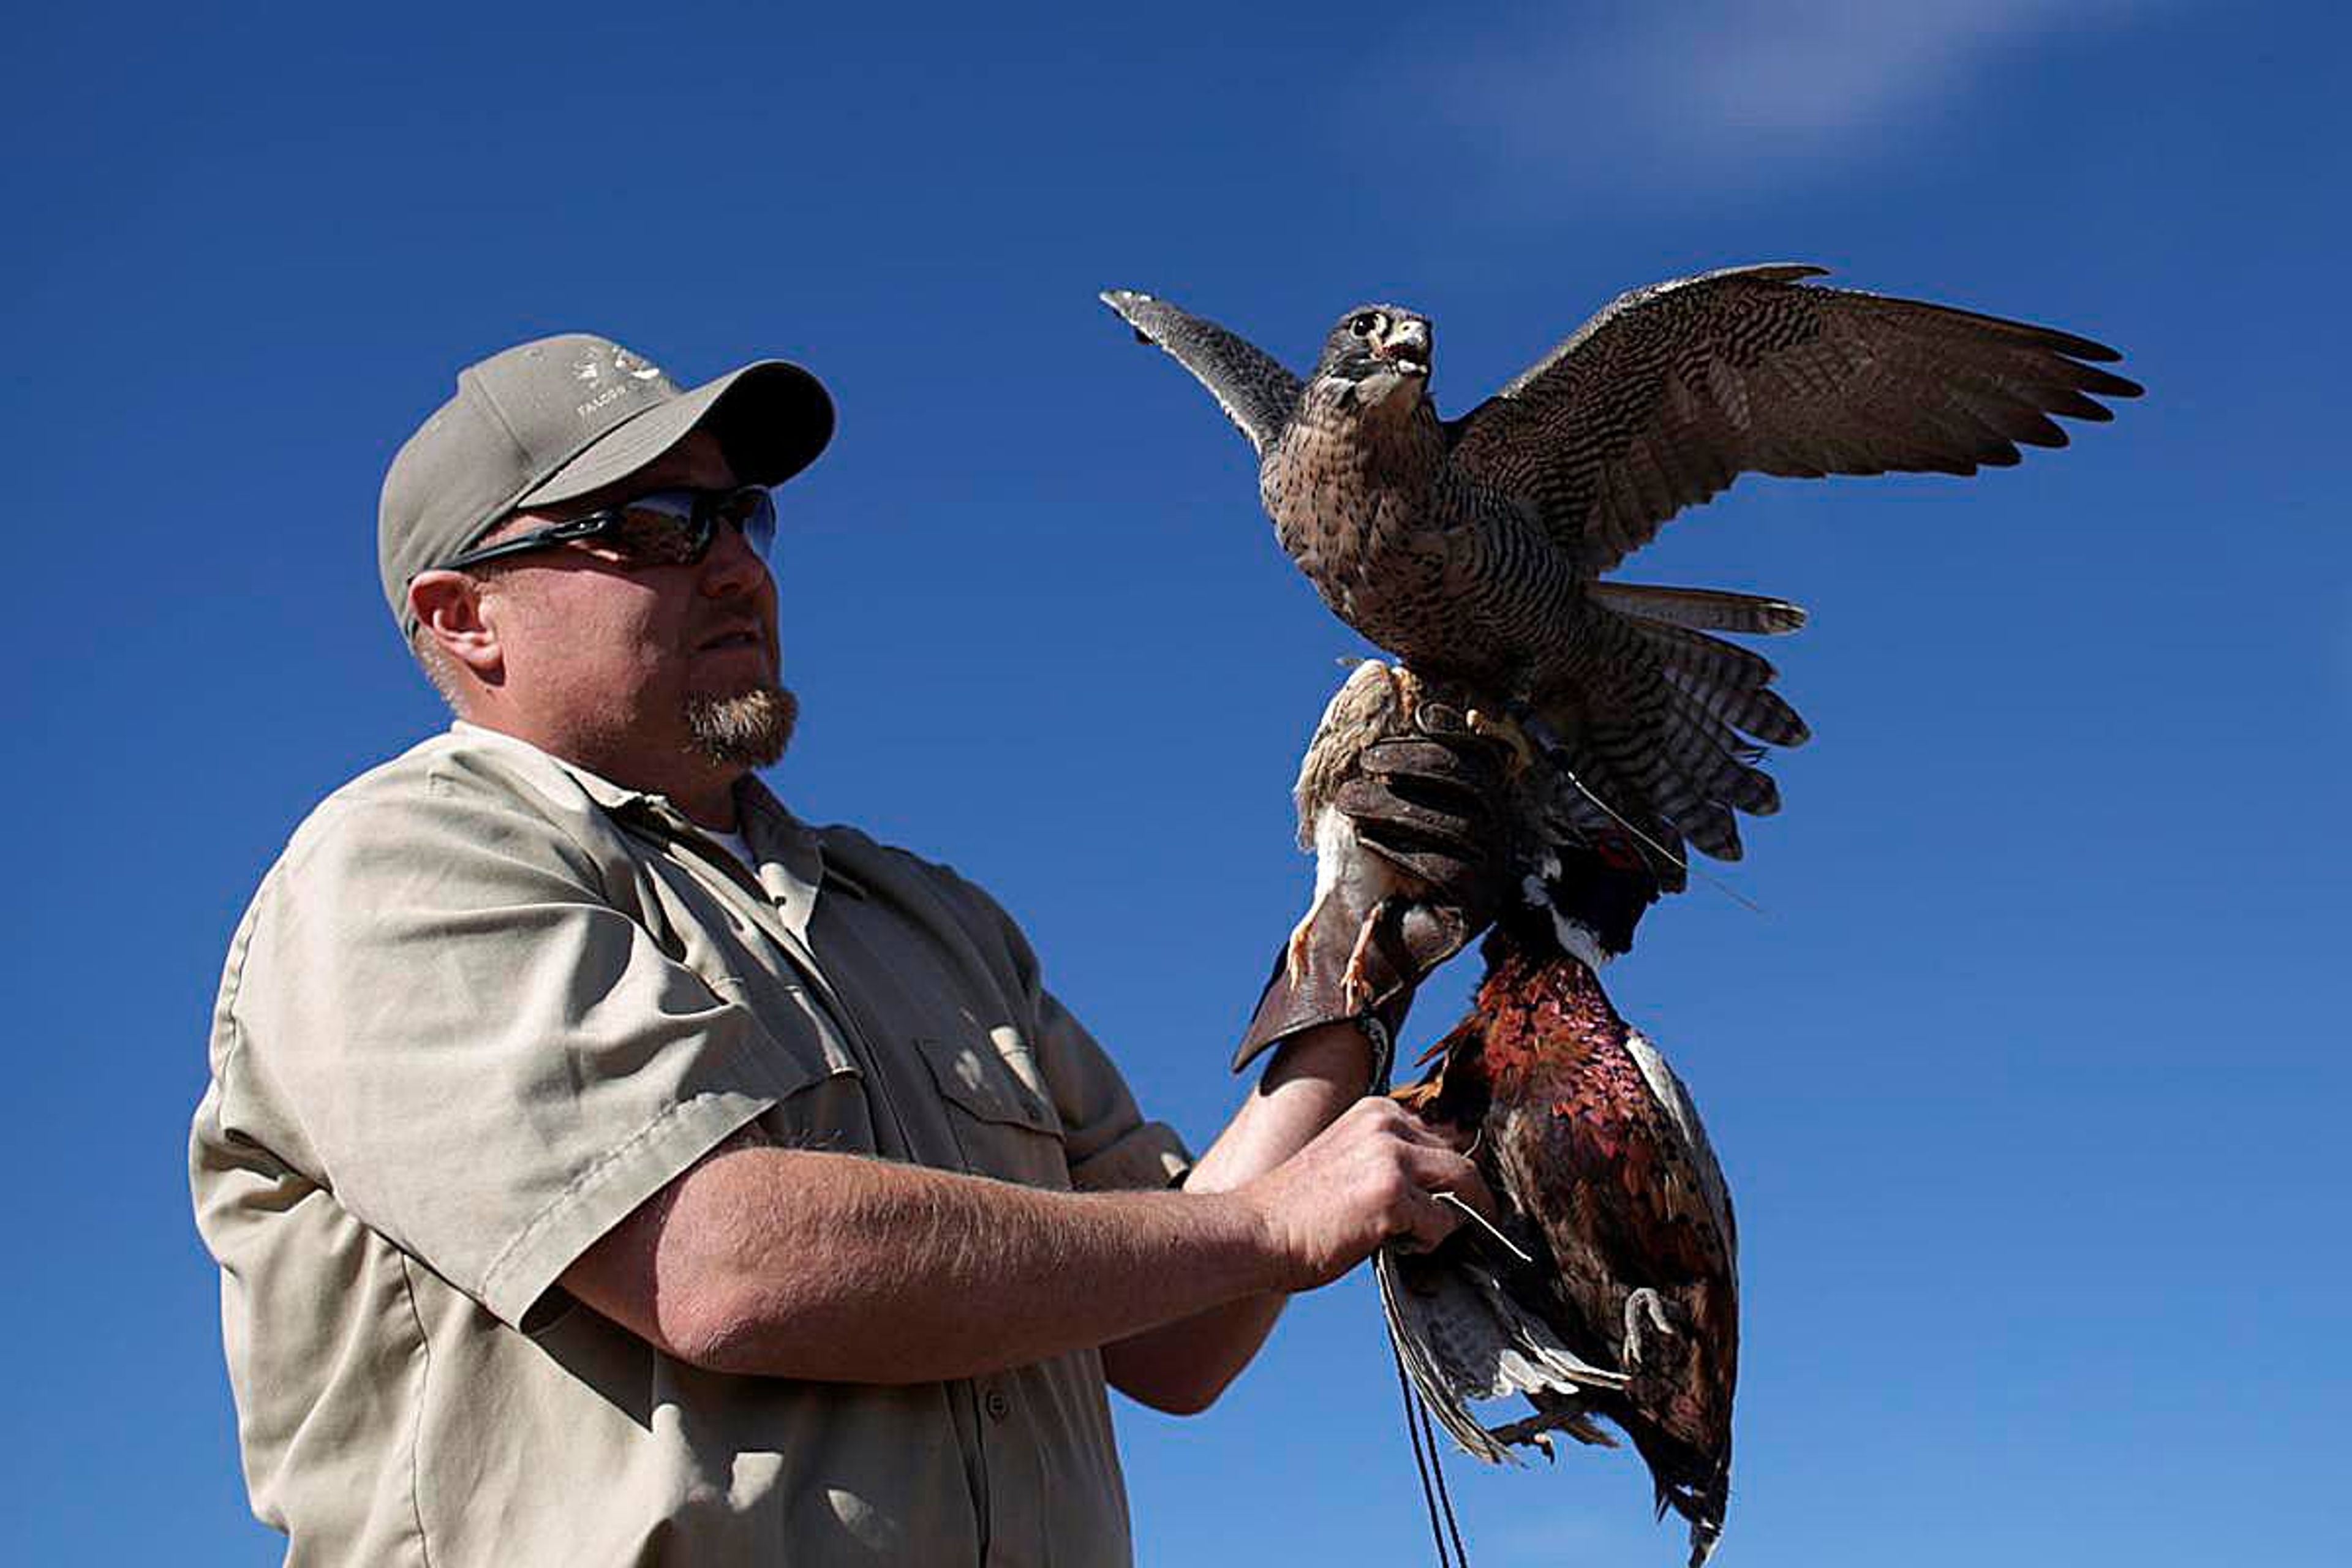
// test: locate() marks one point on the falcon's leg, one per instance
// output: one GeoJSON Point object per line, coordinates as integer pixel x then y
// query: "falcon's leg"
{"type": "Point", "coordinates": [1510, 731]}
{"type": "Point", "coordinates": [1642, 1304]}
{"type": "Point", "coordinates": [1534, 729]}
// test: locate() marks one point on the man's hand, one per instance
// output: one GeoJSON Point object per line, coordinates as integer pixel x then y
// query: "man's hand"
{"type": "Point", "coordinates": [1371, 1176]}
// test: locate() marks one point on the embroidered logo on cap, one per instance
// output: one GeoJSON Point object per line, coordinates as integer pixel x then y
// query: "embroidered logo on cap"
{"type": "Point", "coordinates": [617, 370]}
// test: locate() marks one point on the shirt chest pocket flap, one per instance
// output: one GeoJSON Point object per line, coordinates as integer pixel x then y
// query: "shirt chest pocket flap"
{"type": "Point", "coordinates": [1005, 1127]}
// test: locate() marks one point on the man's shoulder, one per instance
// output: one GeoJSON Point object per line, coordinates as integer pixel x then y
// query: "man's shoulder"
{"type": "Point", "coordinates": [868, 862]}
{"type": "Point", "coordinates": [463, 778]}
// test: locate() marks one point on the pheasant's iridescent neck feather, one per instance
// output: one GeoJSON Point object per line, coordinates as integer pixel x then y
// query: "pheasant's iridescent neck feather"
{"type": "Point", "coordinates": [1540, 1014]}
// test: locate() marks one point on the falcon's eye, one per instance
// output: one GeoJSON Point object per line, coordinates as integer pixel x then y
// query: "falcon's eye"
{"type": "Point", "coordinates": [1363, 324]}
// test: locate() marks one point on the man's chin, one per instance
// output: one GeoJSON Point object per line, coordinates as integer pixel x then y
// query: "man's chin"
{"type": "Point", "coordinates": [748, 729]}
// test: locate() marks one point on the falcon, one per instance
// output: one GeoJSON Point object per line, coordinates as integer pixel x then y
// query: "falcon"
{"type": "Point", "coordinates": [1473, 549]}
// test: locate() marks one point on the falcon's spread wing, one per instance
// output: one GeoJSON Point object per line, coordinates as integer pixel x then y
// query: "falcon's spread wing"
{"type": "Point", "coordinates": [1252, 388]}
{"type": "Point", "coordinates": [1673, 390]}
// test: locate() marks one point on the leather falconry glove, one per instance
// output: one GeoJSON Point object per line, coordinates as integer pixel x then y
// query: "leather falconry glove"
{"type": "Point", "coordinates": [1413, 859]}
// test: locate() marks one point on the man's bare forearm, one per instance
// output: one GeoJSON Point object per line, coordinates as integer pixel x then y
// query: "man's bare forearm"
{"type": "Point", "coordinates": [797, 1263]}
{"type": "Point", "coordinates": [794, 1263]}
{"type": "Point", "coordinates": [1183, 1366]}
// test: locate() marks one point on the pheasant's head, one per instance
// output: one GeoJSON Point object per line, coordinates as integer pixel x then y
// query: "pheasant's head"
{"type": "Point", "coordinates": [1378, 351]}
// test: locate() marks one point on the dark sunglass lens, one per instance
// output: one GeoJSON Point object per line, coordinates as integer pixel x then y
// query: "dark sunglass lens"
{"type": "Point", "coordinates": [657, 535]}
{"type": "Point", "coordinates": [753, 512]}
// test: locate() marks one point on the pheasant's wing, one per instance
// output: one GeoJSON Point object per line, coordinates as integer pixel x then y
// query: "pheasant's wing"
{"type": "Point", "coordinates": [1698, 1153]}
{"type": "Point", "coordinates": [1628, 1188]}
{"type": "Point", "coordinates": [1672, 392]}
{"type": "Point", "coordinates": [1250, 384]}
{"type": "Point", "coordinates": [1463, 1337]}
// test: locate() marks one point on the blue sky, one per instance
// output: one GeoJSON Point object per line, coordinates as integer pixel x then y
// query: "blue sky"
{"type": "Point", "coordinates": [2026, 1077]}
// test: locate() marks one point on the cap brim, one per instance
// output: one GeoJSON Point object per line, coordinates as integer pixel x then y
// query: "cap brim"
{"type": "Point", "coordinates": [771, 418]}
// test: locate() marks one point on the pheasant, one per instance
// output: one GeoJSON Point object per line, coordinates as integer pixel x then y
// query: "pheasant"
{"type": "Point", "coordinates": [1627, 1304]}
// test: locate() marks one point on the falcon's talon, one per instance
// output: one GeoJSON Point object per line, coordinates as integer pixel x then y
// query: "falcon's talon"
{"type": "Point", "coordinates": [1505, 733]}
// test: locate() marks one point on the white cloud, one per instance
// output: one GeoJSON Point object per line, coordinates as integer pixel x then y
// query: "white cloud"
{"type": "Point", "coordinates": [1695, 94]}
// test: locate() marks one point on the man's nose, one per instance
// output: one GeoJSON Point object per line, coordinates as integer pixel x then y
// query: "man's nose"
{"type": "Point", "coordinates": [732, 566]}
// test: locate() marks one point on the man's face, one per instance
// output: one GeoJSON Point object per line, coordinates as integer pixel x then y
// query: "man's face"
{"type": "Point", "coordinates": [625, 663]}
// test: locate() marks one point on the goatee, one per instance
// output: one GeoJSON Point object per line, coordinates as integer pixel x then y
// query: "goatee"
{"type": "Point", "coordinates": [750, 728]}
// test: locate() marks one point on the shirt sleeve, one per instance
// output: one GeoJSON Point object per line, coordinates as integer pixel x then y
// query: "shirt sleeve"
{"type": "Point", "coordinates": [1109, 1145]}
{"type": "Point", "coordinates": [442, 1018]}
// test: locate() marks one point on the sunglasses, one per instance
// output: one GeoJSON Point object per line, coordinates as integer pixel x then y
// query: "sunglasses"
{"type": "Point", "coordinates": [666, 527]}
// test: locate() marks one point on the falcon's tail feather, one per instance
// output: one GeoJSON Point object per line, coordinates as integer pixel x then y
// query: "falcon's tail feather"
{"type": "Point", "coordinates": [1669, 735]}
{"type": "Point", "coordinates": [1702, 609]}
{"type": "Point", "coordinates": [1730, 681]}
{"type": "Point", "coordinates": [1594, 804]}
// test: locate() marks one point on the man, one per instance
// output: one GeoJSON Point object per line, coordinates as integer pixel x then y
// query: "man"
{"type": "Point", "coordinates": [606, 1167]}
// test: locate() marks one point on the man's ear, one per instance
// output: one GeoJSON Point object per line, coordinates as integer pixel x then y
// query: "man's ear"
{"type": "Point", "coordinates": [448, 607]}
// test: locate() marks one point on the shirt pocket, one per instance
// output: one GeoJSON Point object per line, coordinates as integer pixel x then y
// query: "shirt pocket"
{"type": "Point", "coordinates": [1002, 1127]}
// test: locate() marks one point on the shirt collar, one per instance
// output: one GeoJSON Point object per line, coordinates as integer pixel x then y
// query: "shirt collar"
{"type": "Point", "coordinates": [772, 830]}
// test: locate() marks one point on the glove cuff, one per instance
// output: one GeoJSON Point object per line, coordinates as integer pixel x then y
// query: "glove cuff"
{"type": "Point", "coordinates": [1290, 1005]}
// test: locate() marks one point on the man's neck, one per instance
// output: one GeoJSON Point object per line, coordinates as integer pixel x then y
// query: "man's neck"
{"type": "Point", "coordinates": [712, 806]}
{"type": "Point", "coordinates": [704, 791]}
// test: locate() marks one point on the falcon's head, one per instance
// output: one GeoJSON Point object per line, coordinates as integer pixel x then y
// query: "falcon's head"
{"type": "Point", "coordinates": [1378, 350]}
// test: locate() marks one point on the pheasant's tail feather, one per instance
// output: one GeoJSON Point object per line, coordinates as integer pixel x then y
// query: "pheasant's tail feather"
{"type": "Point", "coordinates": [1705, 1517]}
{"type": "Point", "coordinates": [1695, 1486]}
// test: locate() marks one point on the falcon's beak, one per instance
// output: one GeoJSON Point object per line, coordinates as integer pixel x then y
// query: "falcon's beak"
{"type": "Point", "coordinates": [1407, 348]}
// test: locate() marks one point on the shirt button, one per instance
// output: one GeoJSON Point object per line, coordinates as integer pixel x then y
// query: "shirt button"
{"type": "Point", "coordinates": [997, 1406]}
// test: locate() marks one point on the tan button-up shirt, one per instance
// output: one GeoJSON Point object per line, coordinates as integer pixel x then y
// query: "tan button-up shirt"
{"type": "Point", "coordinates": [483, 1006]}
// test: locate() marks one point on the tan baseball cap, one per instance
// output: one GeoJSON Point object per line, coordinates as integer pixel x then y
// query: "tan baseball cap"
{"type": "Point", "coordinates": [545, 421]}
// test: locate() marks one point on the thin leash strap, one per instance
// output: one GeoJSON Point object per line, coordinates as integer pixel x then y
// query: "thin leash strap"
{"type": "Point", "coordinates": [1444, 1500]}
{"type": "Point", "coordinates": [1416, 1422]}
{"type": "Point", "coordinates": [1557, 754]}
{"type": "Point", "coordinates": [1680, 862]}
